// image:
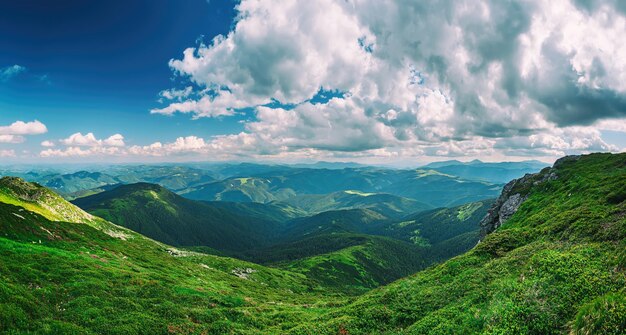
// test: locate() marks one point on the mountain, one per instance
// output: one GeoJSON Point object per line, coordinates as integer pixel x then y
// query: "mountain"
{"type": "Point", "coordinates": [248, 189]}
{"type": "Point", "coordinates": [347, 249]}
{"type": "Point", "coordinates": [439, 189]}
{"type": "Point", "coordinates": [74, 278]}
{"type": "Point", "coordinates": [82, 183]}
{"type": "Point", "coordinates": [446, 231]}
{"type": "Point", "coordinates": [165, 216]}
{"type": "Point", "coordinates": [492, 172]}
{"type": "Point", "coordinates": [40, 200]}
{"type": "Point", "coordinates": [248, 182]}
{"type": "Point", "coordinates": [430, 187]}
{"type": "Point", "coordinates": [275, 211]}
{"type": "Point", "coordinates": [552, 261]}
{"type": "Point", "coordinates": [330, 165]}
{"type": "Point", "coordinates": [77, 181]}
{"type": "Point", "coordinates": [173, 177]}
{"type": "Point", "coordinates": [371, 261]}
{"type": "Point", "coordinates": [386, 204]}
{"type": "Point", "coordinates": [330, 222]}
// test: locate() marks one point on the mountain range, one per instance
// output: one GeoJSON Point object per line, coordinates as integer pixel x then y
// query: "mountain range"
{"type": "Point", "coordinates": [546, 256]}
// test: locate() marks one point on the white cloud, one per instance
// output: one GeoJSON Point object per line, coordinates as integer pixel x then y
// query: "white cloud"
{"type": "Point", "coordinates": [116, 140]}
{"type": "Point", "coordinates": [82, 152]}
{"type": "Point", "coordinates": [87, 145]}
{"type": "Point", "coordinates": [182, 145]}
{"type": "Point", "coordinates": [47, 144]}
{"type": "Point", "coordinates": [174, 94]}
{"type": "Point", "coordinates": [24, 128]}
{"type": "Point", "coordinates": [78, 139]}
{"type": "Point", "coordinates": [206, 106]}
{"type": "Point", "coordinates": [432, 78]}
{"type": "Point", "coordinates": [90, 140]}
{"type": "Point", "coordinates": [11, 139]}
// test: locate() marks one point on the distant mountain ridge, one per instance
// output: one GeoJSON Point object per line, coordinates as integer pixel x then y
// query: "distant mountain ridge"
{"type": "Point", "coordinates": [158, 213]}
{"type": "Point", "coordinates": [501, 172]}
{"type": "Point", "coordinates": [433, 188]}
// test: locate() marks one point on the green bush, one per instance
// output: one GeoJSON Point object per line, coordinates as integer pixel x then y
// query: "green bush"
{"type": "Point", "coordinates": [604, 315]}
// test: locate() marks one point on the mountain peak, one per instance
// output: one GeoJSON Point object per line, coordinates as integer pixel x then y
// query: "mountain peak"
{"type": "Point", "coordinates": [22, 189]}
{"type": "Point", "coordinates": [41, 200]}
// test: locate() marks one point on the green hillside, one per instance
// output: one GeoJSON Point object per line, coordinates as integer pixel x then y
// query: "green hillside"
{"type": "Point", "coordinates": [386, 204]}
{"type": "Point", "coordinates": [329, 247]}
{"type": "Point", "coordinates": [160, 214]}
{"type": "Point", "coordinates": [274, 211]}
{"type": "Point", "coordinates": [557, 265]}
{"type": "Point", "coordinates": [439, 189]}
{"type": "Point", "coordinates": [340, 221]}
{"type": "Point", "coordinates": [448, 231]}
{"type": "Point", "coordinates": [71, 278]}
{"type": "Point", "coordinates": [246, 189]}
{"type": "Point", "coordinates": [38, 199]}
{"type": "Point", "coordinates": [552, 260]}
{"type": "Point", "coordinates": [371, 262]}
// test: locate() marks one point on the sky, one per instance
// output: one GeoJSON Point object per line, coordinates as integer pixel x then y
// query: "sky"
{"type": "Point", "coordinates": [296, 81]}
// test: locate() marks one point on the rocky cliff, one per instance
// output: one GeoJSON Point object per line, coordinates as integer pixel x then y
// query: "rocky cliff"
{"type": "Point", "coordinates": [515, 193]}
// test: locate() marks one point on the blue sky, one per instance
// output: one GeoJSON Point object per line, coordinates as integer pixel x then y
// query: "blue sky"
{"type": "Point", "coordinates": [157, 80]}
{"type": "Point", "coordinates": [98, 66]}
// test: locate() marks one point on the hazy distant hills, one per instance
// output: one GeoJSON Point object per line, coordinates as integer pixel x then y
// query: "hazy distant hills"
{"type": "Point", "coordinates": [490, 172]}
{"type": "Point", "coordinates": [227, 182]}
{"type": "Point", "coordinates": [429, 187]}
{"type": "Point", "coordinates": [386, 204]}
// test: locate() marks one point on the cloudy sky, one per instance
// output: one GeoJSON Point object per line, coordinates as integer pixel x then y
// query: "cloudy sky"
{"type": "Point", "coordinates": [347, 80]}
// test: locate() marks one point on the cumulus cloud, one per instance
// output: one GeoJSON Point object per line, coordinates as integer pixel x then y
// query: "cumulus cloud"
{"type": "Point", "coordinates": [81, 152]}
{"type": "Point", "coordinates": [182, 145]}
{"type": "Point", "coordinates": [11, 139]}
{"type": "Point", "coordinates": [79, 145]}
{"type": "Point", "coordinates": [18, 130]}
{"type": "Point", "coordinates": [116, 140]}
{"type": "Point", "coordinates": [90, 140]}
{"type": "Point", "coordinates": [207, 106]}
{"type": "Point", "coordinates": [24, 128]}
{"type": "Point", "coordinates": [449, 77]}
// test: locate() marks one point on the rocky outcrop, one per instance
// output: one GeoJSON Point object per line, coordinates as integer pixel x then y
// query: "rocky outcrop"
{"type": "Point", "coordinates": [514, 194]}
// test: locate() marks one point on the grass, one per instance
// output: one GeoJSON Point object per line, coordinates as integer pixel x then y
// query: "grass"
{"type": "Point", "coordinates": [557, 266]}
{"type": "Point", "coordinates": [62, 278]}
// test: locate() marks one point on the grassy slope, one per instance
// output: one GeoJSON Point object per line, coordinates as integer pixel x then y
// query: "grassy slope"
{"type": "Point", "coordinates": [239, 190]}
{"type": "Point", "coordinates": [557, 266]}
{"type": "Point", "coordinates": [275, 211]}
{"type": "Point", "coordinates": [365, 264]}
{"type": "Point", "coordinates": [386, 204]}
{"type": "Point", "coordinates": [160, 214]}
{"type": "Point", "coordinates": [331, 247]}
{"type": "Point", "coordinates": [339, 221]}
{"type": "Point", "coordinates": [446, 231]}
{"type": "Point", "coordinates": [373, 262]}
{"type": "Point", "coordinates": [71, 278]}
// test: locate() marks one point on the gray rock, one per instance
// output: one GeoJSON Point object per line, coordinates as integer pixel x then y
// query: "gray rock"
{"type": "Point", "coordinates": [513, 196]}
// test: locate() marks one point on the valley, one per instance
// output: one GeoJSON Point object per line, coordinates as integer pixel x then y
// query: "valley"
{"type": "Point", "coordinates": [136, 257]}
